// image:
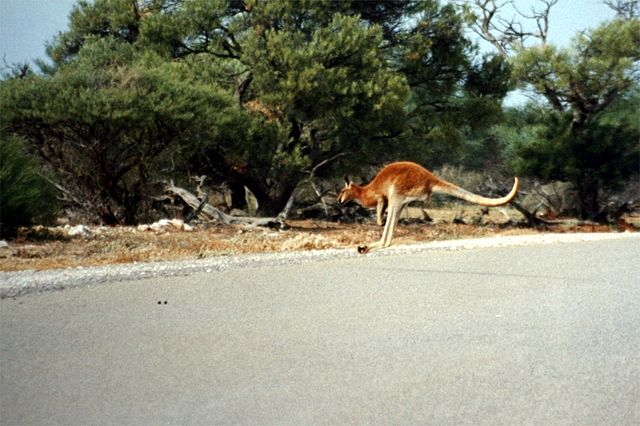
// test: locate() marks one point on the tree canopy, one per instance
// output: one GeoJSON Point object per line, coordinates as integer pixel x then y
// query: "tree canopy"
{"type": "Point", "coordinates": [291, 85]}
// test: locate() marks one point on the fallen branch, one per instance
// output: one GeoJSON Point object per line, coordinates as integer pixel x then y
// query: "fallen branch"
{"type": "Point", "coordinates": [532, 219]}
{"type": "Point", "coordinates": [208, 212]}
{"type": "Point", "coordinates": [197, 211]}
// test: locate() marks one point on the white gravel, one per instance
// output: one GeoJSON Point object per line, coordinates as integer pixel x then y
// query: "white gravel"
{"type": "Point", "coordinates": [14, 284]}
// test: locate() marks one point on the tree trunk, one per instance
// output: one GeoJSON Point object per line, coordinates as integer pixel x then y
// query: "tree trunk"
{"type": "Point", "coordinates": [271, 203]}
{"type": "Point", "coordinates": [238, 200]}
{"type": "Point", "coordinates": [588, 189]}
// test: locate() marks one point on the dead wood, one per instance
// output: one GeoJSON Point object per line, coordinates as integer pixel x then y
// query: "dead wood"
{"type": "Point", "coordinates": [535, 221]}
{"type": "Point", "coordinates": [207, 212]}
{"type": "Point", "coordinates": [197, 211]}
{"type": "Point", "coordinates": [532, 219]}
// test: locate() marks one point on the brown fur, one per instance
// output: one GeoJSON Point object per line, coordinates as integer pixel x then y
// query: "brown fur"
{"type": "Point", "coordinates": [400, 183]}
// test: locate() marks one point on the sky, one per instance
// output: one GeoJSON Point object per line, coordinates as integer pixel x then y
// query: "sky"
{"type": "Point", "coordinates": [27, 25]}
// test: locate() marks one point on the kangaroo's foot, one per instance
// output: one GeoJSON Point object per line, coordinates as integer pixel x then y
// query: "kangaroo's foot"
{"type": "Point", "coordinates": [370, 247]}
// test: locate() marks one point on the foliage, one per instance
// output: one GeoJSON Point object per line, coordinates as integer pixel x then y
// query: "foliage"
{"type": "Point", "coordinates": [316, 80]}
{"type": "Point", "coordinates": [587, 78]}
{"type": "Point", "coordinates": [454, 93]}
{"type": "Point", "coordinates": [580, 84]}
{"type": "Point", "coordinates": [104, 122]}
{"type": "Point", "coordinates": [583, 84]}
{"type": "Point", "coordinates": [600, 156]}
{"type": "Point", "coordinates": [257, 94]}
{"type": "Point", "coordinates": [26, 197]}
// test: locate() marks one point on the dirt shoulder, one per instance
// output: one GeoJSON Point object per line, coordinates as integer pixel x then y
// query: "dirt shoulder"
{"type": "Point", "coordinates": [52, 248]}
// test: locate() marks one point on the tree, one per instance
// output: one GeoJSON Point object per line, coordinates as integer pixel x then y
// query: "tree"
{"type": "Point", "coordinates": [308, 80]}
{"type": "Point", "coordinates": [581, 82]}
{"type": "Point", "coordinates": [601, 155]}
{"type": "Point", "coordinates": [312, 83]}
{"type": "Point", "coordinates": [454, 92]}
{"type": "Point", "coordinates": [330, 93]}
{"type": "Point", "coordinates": [105, 123]}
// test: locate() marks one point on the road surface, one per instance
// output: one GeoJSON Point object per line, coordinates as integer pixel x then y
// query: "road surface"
{"type": "Point", "coordinates": [534, 334]}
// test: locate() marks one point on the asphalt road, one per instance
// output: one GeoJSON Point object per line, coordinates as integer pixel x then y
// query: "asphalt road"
{"type": "Point", "coordinates": [536, 334]}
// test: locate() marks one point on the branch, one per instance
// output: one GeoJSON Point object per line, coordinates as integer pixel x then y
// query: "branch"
{"type": "Point", "coordinates": [197, 211]}
{"type": "Point", "coordinates": [284, 214]}
{"type": "Point", "coordinates": [324, 162]}
{"type": "Point", "coordinates": [68, 195]}
{"type": "Point", "coordinates": [315, 188]}
{"type": "Point", "coordinates": [16, 70]}
{"type": "Point", "coordinates": [208, 212]}
{"type": "Point", "coordinates": [532, 219]}
{"type": "Point", "coordinates": [503, 34]}
{"type": "Point", "coordinates": [243, 85]}
{"type": "Point", "coordinates": [485, 29]}
{"type": "Point", "coordinates": [541, 18]}
{"type": "Point", "coordinates": [553, 97]}
{"type": "Point", "coordinates": [201, 194]}
{"type": "Point", "coordinates": [625, 9]}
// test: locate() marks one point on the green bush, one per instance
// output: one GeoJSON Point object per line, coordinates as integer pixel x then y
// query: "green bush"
{"type": "Point", "coordinates": [26, 198]}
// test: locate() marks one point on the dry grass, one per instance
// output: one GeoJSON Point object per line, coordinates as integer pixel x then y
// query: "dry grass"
{"type": "Point", "coordinates": [51, 248]}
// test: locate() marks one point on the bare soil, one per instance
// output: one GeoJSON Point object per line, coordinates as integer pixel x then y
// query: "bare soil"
{"type": "Point", "coordinates": [48, 248]}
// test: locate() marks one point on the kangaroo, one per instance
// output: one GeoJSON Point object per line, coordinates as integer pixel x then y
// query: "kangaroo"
{"type": "Point", "coordinates": [400, 183]}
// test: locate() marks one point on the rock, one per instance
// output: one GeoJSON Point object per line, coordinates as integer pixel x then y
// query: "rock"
{"type": "Point", "coordinates": [79, 230]}
{"type": "Point", "coordinates": [5, 250]}
{"type": "Point", "coordinates": [166, 225]}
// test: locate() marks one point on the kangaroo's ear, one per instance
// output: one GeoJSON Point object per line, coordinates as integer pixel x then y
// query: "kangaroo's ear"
{"type": "Point", "coordinates": [346, 181]}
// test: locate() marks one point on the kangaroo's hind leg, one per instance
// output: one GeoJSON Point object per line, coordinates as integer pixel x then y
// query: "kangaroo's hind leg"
{"type": "Point", "coordinates": [392, 221]}
{"type": "Point", "coordinates": [389, 228]}
{"type": "Point", "coordinates": [381, 207]}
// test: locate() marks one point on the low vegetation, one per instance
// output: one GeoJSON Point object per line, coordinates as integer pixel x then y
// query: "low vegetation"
{"type": "Point", "coordinates": [26, 197]}
{"type": "Point", "coordinates": [45, 247]}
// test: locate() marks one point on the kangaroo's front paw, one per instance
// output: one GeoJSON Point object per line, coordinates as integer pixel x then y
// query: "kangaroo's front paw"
{"type": "Point", "coordinates": [363, 249]}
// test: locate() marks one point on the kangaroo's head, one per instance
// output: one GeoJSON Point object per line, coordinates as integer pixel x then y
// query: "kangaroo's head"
{"type": "Point", "coordinates": [349, 192]}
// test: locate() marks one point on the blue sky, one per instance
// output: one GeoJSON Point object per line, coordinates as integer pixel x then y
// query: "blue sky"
{"type": "Point", "coordinates": [27, 25]}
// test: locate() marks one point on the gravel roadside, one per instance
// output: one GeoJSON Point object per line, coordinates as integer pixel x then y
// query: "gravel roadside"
{"type": "Point", "coordinates": [14, 284]}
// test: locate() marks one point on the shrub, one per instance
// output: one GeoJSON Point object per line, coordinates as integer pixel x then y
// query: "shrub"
{"type": "Point", "coordinates": [26, 198]}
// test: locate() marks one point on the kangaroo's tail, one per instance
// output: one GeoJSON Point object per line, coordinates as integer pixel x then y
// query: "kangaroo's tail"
{"type": "Point", "coordinates": [455, 191]}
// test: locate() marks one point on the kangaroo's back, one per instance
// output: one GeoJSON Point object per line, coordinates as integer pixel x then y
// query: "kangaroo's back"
{"type": "Point", "coordinates": [404, 178]}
